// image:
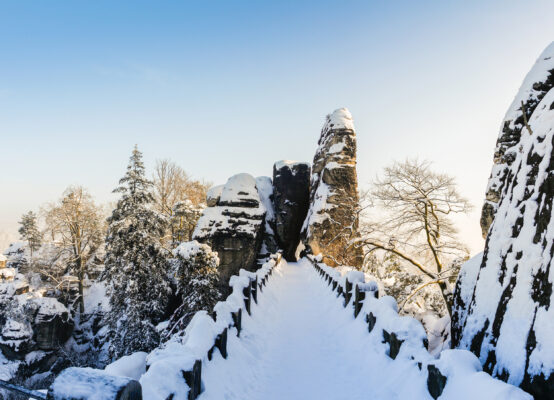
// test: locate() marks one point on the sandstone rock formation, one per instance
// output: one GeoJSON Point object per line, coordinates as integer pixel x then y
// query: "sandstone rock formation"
{"type": "Point", "coordinates": [233, 227]}
{"type": "Point", "coordinates": [291, 185]}
{"type": "Point", "coordinates": [535, 86]}
{"type": "Point", "coordinates": [269, 241]}
{"type": "Point", "coordinates": [502, 309]}
{"type": "Point", "coordinates": [52, 325]}
{"type": "Point", "coordinates": [331, 226]}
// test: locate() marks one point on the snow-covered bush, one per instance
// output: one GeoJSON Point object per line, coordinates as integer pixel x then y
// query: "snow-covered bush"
{"type": "Point", "coordinates": [194, 267]}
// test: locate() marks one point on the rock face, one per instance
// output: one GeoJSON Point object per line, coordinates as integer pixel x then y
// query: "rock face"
{"type": "Point", "coordinates": [269, 241]}
{"type": "Point", "coordinates": [535, 86]}
{"type": "Point", "coordinates": [53, 324]}
{"type": "Point", "coordinates": [502, 309]}
{"type": "Point", "coordinates": [233, 227]}
{"type": "Point", "coordinates": [331, 226]}
{"type": "Point", "coordinates": [291, 186]}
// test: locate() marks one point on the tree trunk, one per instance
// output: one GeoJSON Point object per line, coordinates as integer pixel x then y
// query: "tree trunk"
{"type": "Point", "coordinates": [81, 277]}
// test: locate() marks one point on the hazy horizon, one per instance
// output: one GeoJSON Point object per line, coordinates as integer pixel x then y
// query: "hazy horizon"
{"type": "Point", "coordinates": [222, 89]}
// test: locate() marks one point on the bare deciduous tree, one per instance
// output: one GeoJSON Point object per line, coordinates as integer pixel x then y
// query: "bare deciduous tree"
{"type": "Point", "coordinates": [172, 185]}
{"type": "Point", "coordinates": [415, 225]}
{"type": "Point", "coordinates": [76, 224]}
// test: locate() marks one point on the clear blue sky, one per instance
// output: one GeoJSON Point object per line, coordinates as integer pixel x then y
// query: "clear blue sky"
{"type": "Point", "coordinates": [226, 87]}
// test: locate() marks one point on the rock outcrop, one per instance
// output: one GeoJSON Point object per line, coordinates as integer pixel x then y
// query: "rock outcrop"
{"type": "Point", "coordinates": [502, 309]}
{"type": "Point", "coordinates": [535, 86]}
{"type": "Point", "coordinates": [291, 187]}
{"type": "Point", "coordinates": [269, 241]}
{"type": "Point", "coordinates": [53, 324]}
{"type": "Point", "coordinates": [331, 226]}
{"type": "Point", "coordinates": [233, 226]}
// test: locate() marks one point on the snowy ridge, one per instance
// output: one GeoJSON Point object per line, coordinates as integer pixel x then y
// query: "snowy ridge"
{"type": "Point", "coordinates": [457, 374]}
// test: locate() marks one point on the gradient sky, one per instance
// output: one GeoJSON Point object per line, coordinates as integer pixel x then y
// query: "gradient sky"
{"type": "Point", "coordinates": [225, 87]}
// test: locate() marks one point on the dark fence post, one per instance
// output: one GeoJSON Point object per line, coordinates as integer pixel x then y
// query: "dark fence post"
{"type": "Point", "coordinates": [359, 297]}
{"type": "Point", "coordinates": [435, 381]}
{"type": "Point", "coordinates": [371, 321]}
{"type": "Point", "coordinates": [220, 344]}
{"type": "Point", "coordinates": [347, 291]}
{"type": "Point", "coordinates": [394, 343]}
{"type": "Point", "coordinates": [237, 320]}
{"type": "Point", "coordinates": [193, 379]}
{"type": "Point", "coordinates": [247, 299]}
{"type": "Point", "coordinates": [254, 289]}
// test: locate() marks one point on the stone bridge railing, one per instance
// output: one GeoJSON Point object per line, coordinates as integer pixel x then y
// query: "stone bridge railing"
{"type": "Point", "coordinates": [206, 333]}
{"type": "Point", "coordinates": [405, 337]}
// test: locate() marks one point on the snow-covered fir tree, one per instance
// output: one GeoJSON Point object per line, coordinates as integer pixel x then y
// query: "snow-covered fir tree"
{"type": "Point", "coordinates": [136, 265]}
{"type": "Point", "coordinates": [194, 267]}
{"type": "Point", "coordinates": [29, 231]}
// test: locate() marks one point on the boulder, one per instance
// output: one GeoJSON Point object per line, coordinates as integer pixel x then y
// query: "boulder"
{"type": "Point", "coordinates": [16, 338]}
{"type": "Point", "coordinates": [93, 384]}
{"type": "Point", "coordinates": [52, 325]}
{"type": "Point", "coordinates": [331, 225]}
{"type": "Point", "coordinates": [233, 227]}
{"type": "Point", "coordinates": [502, 307]}
{"type": "Point", "coordinates": [291, 187]}
{"type": "Point", "coordinates": [535, 86]}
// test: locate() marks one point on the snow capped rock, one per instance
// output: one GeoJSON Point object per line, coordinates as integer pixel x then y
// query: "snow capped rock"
{"type": "Point", "coordinates": [537, 83]}
{"type": "Point", "coordinates": [509, 322]}
{"type": "Point", "coordinates": [234, 226]}
{"type": "Point", "coordinates": [330, 227]}
{"type": "Point", "coordinates": [339, 119]}
{"type": "Point", "coordinates": [240, 190]}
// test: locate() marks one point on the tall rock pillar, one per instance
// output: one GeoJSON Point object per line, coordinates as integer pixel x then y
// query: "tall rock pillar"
{"type": "Point", "coordinates": [331, 226]}
{"type": "Point", "coordinates": [291, 189]}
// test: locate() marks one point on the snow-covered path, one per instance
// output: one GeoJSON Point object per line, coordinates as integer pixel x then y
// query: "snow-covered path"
{"type": "Point", "coordinates": [300, 343]}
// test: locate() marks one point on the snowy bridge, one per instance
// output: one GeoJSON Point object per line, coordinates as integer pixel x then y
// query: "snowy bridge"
{"type": "Point", "coordinates": [297, 331]}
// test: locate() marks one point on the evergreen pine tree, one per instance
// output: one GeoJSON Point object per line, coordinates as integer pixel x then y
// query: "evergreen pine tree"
{"type": "Point", "coordinates": [195, 267]}
{"type": "Point", "coordinates": [29, 231]}
{"type": "Point", "coordinates": [135, 264]}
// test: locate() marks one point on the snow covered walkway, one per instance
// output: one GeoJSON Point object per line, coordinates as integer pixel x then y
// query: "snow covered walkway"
{"type": "Point", "coordinates": [300, 343]}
